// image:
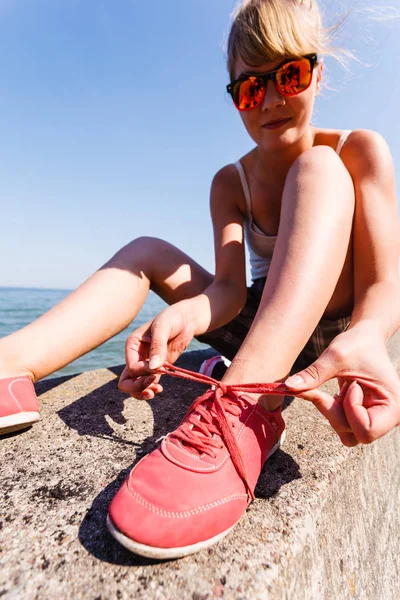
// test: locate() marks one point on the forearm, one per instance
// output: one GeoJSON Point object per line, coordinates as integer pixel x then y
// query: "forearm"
{"type": "Point", "coordinates": [216, 306]}
{"type": "Point", "coordinates": [378, 307]}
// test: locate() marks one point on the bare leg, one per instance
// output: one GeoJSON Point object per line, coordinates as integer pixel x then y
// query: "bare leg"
{"type": "Point", "coordinates": [314, 233]}
{"type": "Point", "coordinates": [101, 307]}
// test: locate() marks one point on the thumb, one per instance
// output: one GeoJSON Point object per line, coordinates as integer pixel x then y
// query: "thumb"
{"type": "Point", "coordinates": [160, 333]}
{"type": "Point", "coordinates": [313, 376]}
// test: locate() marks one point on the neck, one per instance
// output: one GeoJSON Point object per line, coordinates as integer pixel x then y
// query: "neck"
{"type": "Point", "coordinates": [279, 161]}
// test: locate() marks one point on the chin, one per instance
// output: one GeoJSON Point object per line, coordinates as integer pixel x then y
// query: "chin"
{"type": "Point", "coordinates": [274, 139]}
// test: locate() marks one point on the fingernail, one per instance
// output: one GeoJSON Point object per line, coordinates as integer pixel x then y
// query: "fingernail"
{"type": "Point", "coordinates": [294, 381]}
{"type": "Point", "coordinates": [155, 362]}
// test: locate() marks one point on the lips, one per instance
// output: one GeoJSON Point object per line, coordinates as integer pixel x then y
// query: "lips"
{"type": "Point", "coordinates": [276, 123]}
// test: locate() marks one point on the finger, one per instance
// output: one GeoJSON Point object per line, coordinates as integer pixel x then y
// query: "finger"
{"type": "Point", "coordinates": [137, 346]}
{"type": "Point", "coordinates": [320, 371]}
{"type": "Point", "coordinates": [124, 374]}
{"type": "Point", "coordinates": [331, 408]}
{"type": "Point", "coordinates": [160, 334]}
{"type": "Point", "coordinates": [138, 368]}
{"type": "Point", "coordinates": [124, 380]}
{"type": "Point", "coordinates": [348, 439]}
{"type": "Point", "coordinates": [342, 383]}
{"type": "Point", "coordinates": [135, 386]}
{"type": "Point", "coordinates": [368, 424]}
{"type": "Point", "coordinates": [151, 391]}
{"type": "Point", "coordinates": [156, 388]}
{"type": "Point", "coordinates": [141, 388]}
{"type": "Point", "coordinates": [342, 392]}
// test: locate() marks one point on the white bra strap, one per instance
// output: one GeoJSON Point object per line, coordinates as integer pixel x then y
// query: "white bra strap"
{"type": "Point", "coordinates": [245, 185]}
{"type": "Point", "coordinates": [342, 140]}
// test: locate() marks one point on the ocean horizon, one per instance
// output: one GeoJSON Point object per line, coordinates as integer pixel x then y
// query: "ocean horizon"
{"type": "Point", "coordinates": [19, 306]}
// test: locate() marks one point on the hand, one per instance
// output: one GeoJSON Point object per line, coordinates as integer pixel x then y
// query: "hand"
{"type": "Point", "coordinates": [368, 404]}
{"type": "Point", "coordinates": [164, 338]}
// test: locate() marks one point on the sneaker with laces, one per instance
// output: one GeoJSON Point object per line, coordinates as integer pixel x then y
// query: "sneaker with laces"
{"type": "Point", "coordinates": [215, 367]}
{"type": "Point", "coordinates": [191, 491]}
{"type": "Point", "coordinates": [19, 406]}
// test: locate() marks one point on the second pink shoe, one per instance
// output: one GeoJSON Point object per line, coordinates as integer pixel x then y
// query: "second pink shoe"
{"type": "Point", "coordinates": [191, 491]}
{"type": "Point", "coordinates": [19, 406]}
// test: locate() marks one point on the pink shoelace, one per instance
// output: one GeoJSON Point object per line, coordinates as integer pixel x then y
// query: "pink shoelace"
{"type": "Point", "coordinates": [207, 416]}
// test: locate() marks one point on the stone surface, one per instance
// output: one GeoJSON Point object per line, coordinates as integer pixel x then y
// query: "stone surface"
{"type": "Point", "coordinates": [325, 523]}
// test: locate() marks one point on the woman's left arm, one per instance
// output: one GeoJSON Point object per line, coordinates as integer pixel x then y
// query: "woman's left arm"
{"type": "Point", "coordinates": [368, 405]}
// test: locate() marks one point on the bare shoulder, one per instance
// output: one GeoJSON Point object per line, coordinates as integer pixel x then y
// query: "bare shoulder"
{"type": "Point", "coordinates": [366, 155]}
{"type": "Point", "coordinates": [225, 177]}
{"type": "Point", "coordinates": [226, 188]}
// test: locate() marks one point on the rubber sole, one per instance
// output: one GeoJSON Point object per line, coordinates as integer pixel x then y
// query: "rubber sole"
{"type": "Point", "coordinates": [171, 553]}
{"type": "Point", "coordinates": [18, 421]}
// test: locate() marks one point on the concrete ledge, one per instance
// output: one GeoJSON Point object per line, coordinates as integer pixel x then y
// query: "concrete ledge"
{"type": "Point", "coordinates": [325, 523]}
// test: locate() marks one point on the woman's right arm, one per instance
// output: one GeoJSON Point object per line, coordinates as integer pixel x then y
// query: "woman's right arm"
{"type": "Point", "coordinates": [226, 296]}
{"type": "Point", "coordinates": [169, 334]}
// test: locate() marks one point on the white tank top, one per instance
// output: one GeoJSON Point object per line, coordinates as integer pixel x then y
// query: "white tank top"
{"type": "Point", "coordinates": [260, 245]}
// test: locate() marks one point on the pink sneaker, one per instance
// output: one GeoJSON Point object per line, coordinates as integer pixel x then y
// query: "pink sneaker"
{"type": "Point", "coordinates": [192, 490]}
{"type": "Point", "coordinates": [215, 367]}
{"type": "Point", "coordinates": [19, 406]}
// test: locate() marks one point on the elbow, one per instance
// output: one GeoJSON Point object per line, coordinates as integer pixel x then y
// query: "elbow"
{"type": "Point", "coordinates": [235, 294]}
{"type": "Point", "coordinates": [238, 296]}
{"type": "Point", "coordinates": [242, 298]}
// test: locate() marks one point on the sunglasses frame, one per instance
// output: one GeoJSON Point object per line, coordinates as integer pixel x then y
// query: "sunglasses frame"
{"type": "Point", "coordinates": [271, 76]}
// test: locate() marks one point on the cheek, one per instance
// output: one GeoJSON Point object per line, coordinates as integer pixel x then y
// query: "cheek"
{"type": "Point", "coordinates": [251, 122]}
{"type": "Point", "coordinates": [303, 105]}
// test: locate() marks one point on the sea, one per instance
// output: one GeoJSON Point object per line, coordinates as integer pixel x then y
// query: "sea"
{"type": "Point", "coordinates": [21, 306]}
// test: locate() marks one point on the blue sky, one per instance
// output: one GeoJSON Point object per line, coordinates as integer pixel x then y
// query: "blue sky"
{"type": "Point", "coordinates": [114, 119]}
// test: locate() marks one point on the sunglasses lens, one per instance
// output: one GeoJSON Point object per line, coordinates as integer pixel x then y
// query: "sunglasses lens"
{"type": "Point", "coordinates": [249, 93]}
{"type": "Point", "coordinates": [294, 77]}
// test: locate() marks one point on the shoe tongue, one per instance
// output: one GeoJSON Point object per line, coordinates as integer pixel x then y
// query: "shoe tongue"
{"type": "Point", "coordinates": [188, 446]}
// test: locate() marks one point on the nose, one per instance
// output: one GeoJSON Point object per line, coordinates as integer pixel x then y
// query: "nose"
{"type": "Point", "coordinates": [272, 98]}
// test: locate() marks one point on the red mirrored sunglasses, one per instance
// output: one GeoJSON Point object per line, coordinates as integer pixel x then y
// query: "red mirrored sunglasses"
{"type": "Point", "coordinates": [291, 78]}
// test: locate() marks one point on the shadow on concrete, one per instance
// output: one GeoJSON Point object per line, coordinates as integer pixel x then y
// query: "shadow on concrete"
{"type": "Point", "coordinates": [95, 537]}
{"type": "Point", "coordinates": [279, 470]}
{"type": "Point", "coordinates": [89, 416]}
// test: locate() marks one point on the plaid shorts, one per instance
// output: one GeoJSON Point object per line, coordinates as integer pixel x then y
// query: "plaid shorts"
{"type": "Point", "coordinates": [227, 339]}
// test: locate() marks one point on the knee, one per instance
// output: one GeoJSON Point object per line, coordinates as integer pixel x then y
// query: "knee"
{"type": "Point", "coordinates": [143, 245]}
{"type": "Point", "coordinates": [138, 253]}
{"type": "Point", "coordinates": [319, 167]}
{"type": "Point", "coordinates": [320, 162]}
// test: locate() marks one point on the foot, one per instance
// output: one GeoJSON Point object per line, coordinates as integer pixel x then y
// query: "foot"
{"type": "Point", "coordinates": [19, 406]}
{"type": "Point", "coordinates": [191, 491]}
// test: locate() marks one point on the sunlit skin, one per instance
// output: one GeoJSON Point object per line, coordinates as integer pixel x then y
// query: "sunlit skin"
{"type": "Point", "coordinates": [280, 147]}
{"type": "Point", "coordinates": [334, 218]}
{"type": "Point", "coordinates": [268, 164]}
{"type": "Point", "coordinates": [301, 189]}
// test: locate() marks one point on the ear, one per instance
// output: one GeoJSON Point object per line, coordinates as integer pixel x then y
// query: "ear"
{"type": "Point", "coordinates": [320, 68]}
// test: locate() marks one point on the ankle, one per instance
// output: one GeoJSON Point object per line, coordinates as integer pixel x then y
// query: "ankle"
{"type": "Point", "coordinates": [270, 403]}
{"type": "Point", "coordinates": [15, 371]}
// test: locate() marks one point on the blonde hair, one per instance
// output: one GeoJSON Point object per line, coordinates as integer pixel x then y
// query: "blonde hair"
{"type": "Point", "coordinates": [263, 30]}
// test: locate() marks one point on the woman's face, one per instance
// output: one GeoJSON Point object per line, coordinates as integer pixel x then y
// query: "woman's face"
{"type": "Point", "coordinates": [280, 120]}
